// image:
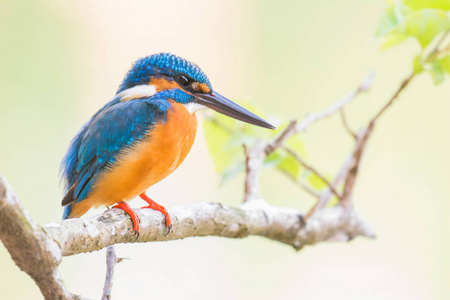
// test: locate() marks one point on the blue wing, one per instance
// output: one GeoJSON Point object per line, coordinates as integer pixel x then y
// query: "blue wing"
{"type": "Point", "coordinates": [98, 144]}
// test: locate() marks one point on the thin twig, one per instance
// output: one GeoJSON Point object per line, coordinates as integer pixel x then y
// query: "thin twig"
{"type": "Point", "coordinates": [361, 142]}
{"type": "Point", "coordinates": [308, 189]}
{"type": "Point", "coordinates": [345, 123]}
{"type": "Point", "coordinates": [313, 170]}
{"type": "Point", "coordinates": [405, 82]}
{"type": "Point", "coordinates": [111, 261]}
{"type": "Point", "coordinates": [436, 49]}
{"type": "Point", "coordinates": [352, 173]}
{"type": "Point", "coordinates": [325, 196]}
{"type": "Point", "coordinates": [392, 99]}
{"type": "Point", "coordinates": [247, 172]}
{"type": "Point", "coordinates": [364, 86]}
{"type": "Point", "coordinates": [294, 128]}
{"type": "Point", "coordinates": [364, 134]}
{"type": "Point", "coordinates": [280, 139]}
{"type": "Point", "coordinates": [303, 185]}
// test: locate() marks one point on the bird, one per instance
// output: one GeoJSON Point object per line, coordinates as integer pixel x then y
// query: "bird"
{"type": "Point", "coordinates": [141, 136]}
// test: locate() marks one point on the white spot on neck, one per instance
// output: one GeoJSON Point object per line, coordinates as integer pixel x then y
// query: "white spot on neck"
{"type": "Point", "coordinates": [138, 91]}
{"type": "Point", "coordinates": [148, 90]}
{"type": "Point", "coordinates": [192, 107]}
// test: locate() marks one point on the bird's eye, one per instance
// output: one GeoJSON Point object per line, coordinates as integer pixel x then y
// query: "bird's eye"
{"type": "Point", "coordinates": [183, 80]}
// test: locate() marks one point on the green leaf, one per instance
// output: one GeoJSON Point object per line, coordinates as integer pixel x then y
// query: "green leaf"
{"type": "Point", "coordinates": [423, 4]}
{"type": "Point", "coordinates": [225, 138]}
{"type": "Point", "coordinates": [286, 162]}
{"type": "Point", "coordinates": [445, 62]}
{"type": "Point", "coordinates": [316, 182]}
{"type": "Point", "coordinates": [274, 158]}
{"type": "Point", "coordinates": [418, 64]}
{"type": "Point", "coordinates": [437, 71]}
{"type": "Point", "coordinates": [391, 18]}
{"type": "Point", "coordinates": [423, 25]}
{"type": "Point", "coordinates": [422, 20]}
{"type": "Point", "coordinates": [232, 171]}
{"type": "Point", "coordinates": [392, 40]}
{"type": "Point", "coordinates": [290, 166]}
{"type": "Point", "coordinates": [295, 144]}
{"type": "Point", "coordinates": [218, 139]}
{"type": "Point", "coordinates": [333, 201]}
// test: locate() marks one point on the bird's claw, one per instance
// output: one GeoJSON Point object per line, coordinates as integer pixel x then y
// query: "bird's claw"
{"type": "Point", "coordinates": [136, 233]}
{"type": "Point", "coordinates": [168, 229]}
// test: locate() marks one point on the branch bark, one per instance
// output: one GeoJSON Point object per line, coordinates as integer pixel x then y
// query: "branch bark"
{"type": "Point", "coordinates": [38, 250]}
{"type": "Point", "coordinates": [207, 219]}
{"type": "Point", "coordinates": [33, 251]}
{"type": "Point", "coordinates": [111, 261]}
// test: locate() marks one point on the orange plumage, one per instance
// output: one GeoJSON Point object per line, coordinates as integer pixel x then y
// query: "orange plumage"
{"type": "Point", "coordinates": [146, 163]}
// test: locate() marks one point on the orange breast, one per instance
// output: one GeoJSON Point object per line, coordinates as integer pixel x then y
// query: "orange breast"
{"type": "Point", "coordinates": [146, 163]}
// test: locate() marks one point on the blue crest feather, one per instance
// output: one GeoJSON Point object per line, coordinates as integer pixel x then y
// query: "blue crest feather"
{"type": "Point", "coordinates": [161, 64]}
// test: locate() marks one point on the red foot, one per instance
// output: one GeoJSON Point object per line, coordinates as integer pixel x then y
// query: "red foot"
{"type": "Point", "coordinates": [134, 217]}
{"type": "Point", "coordinates": [153, 205]}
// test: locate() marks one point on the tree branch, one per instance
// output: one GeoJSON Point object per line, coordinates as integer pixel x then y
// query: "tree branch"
{"type": "Point", "coordinates": [206, 219]}
{"type": "Point", "coordinates": [295, 128]}
{"type": "Point", "coordinates": [363, 87]}
{"type": "Point", "coordinates": [254, 159]}
{"type": "Point", "coordinates": [392, 99]}
{"type": "Point", "coordinates": [111, 261]}
{"type": "Point", "coordinates": [29, 246]}
{"type": "Point", "coordinates": [38, 250]}
{"type": "Point", "coordinates": [308, 189]}
{"type": "Point", "coordinates": [361, 141]}
{"type": "Point", "coordinates": [313, 170]}
{"type": "Point", "coordinates": [345, 123]}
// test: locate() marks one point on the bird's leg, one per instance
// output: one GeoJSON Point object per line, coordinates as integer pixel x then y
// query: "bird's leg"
{"type": "Point", "coordinates": [153, 205]}
{"type": "Point", "coordinates": [134, 217]}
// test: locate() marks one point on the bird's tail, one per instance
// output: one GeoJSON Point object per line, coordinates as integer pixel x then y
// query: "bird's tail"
{"type": "Point", "coordinates": [67, 211]}
{"type": "Point", "coordinates": [68, 201]}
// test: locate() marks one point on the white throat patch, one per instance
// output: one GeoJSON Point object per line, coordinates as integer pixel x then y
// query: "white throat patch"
{"type": "Point", "coordinates": [148, 90]}
{"type": "Point", "coordinates": [138, 91]}
{"type": "Point", "coordinates": [192, 107]}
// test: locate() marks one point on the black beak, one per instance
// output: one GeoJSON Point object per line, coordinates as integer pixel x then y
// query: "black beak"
{"type": "Point", "coordinates": [227, 107]}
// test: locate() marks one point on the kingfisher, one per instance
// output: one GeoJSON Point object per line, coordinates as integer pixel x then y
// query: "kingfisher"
{"type": "Point", "coordinates": [141, 136]}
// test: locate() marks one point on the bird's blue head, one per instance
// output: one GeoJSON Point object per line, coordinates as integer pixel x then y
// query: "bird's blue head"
{"type": "Point", "coordinates": [168, 76]}
{"type": "Point", "coordinates": [165, 70]}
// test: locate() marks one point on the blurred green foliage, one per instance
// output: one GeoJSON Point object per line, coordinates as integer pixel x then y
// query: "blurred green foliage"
{"type": "Point", "coordinates": [226, 138]}
{"type": "Point", "coordinates": [423, 21]}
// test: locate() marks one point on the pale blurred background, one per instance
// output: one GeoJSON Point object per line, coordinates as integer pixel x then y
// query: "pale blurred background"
{"type": "Point", "coordinates": [60, 61]}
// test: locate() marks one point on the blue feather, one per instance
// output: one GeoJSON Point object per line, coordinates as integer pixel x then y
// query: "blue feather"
{"type": "Point", "coordinates": [161, 64]}
{"type": "Point", "coordinates": [110, 131]}
{"type": "Point", "coordinates": [67, 211]}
